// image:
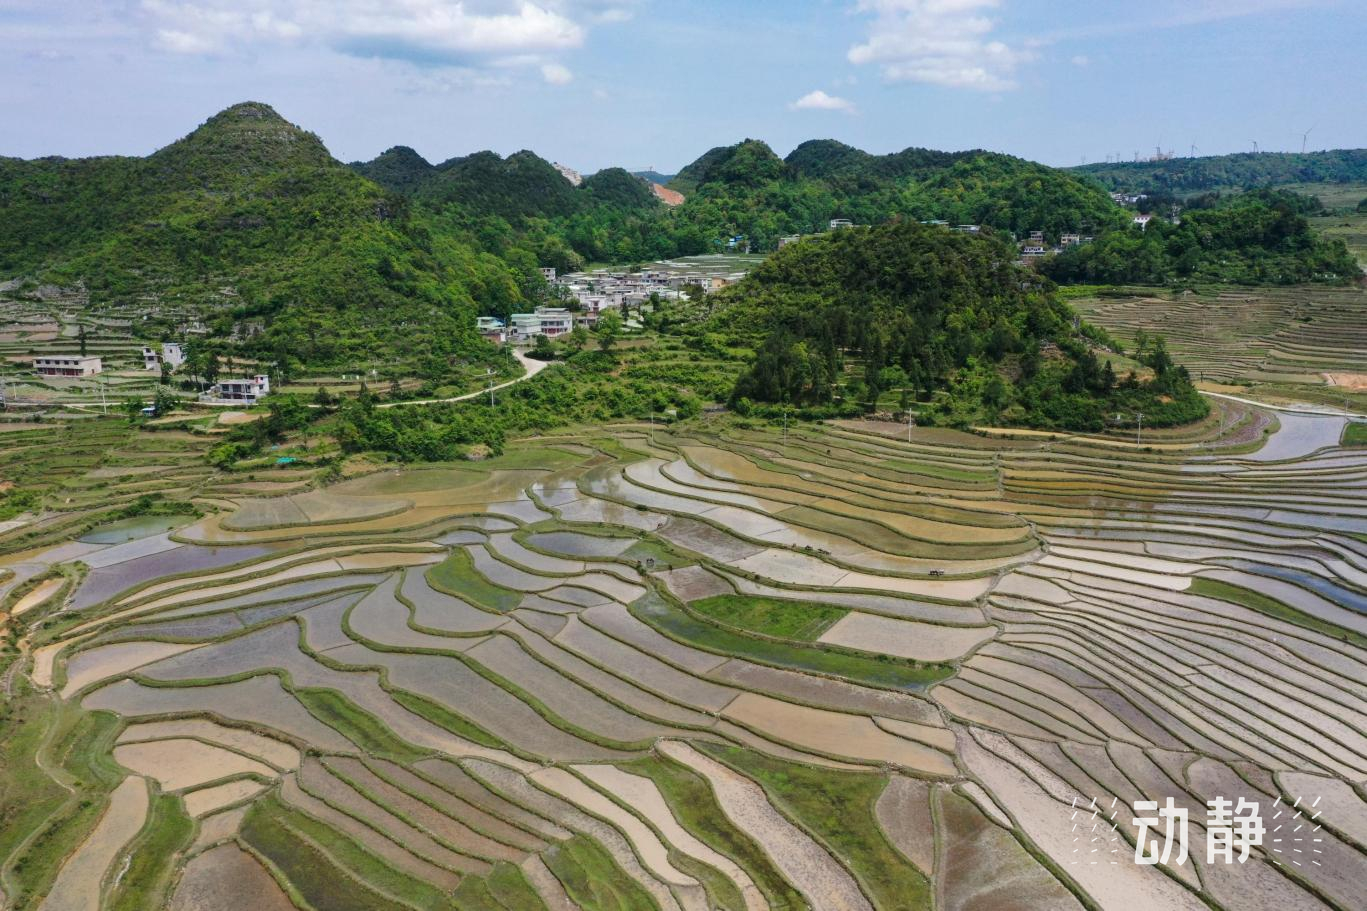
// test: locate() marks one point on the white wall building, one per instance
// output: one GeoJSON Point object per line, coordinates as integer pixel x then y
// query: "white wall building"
{"type": "Point", "coordinates": [67, 365]}
{"type": "Point", "coordinates": [171, 354]}
{"type": "Point", "coordinates": [246, 390]}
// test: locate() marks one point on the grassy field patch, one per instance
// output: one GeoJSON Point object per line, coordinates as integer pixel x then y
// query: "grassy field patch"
{"type": "Point", "coordinates": [804, 621]}
{"type": "Point", "coordinates": [838, 808]}
{"type": "Point", "coordinates": [443, 717]}
{"type": "Point", "coordinates": [592, 880]}
{"type": "Point", "coordinates": [1247, 597]}
{"type": "Point", "coordinates": [881, 671]}
{"type": "Point", "coordinates": [167, 832]}
{"type": "Point", "coordinates": [456, 575]}
{"type": "Point", "coordinates": [356, 724]}
{"type": "Point", "coordinates": [332, 880]}
{"type": "Point", "coordinates": [695, 806]}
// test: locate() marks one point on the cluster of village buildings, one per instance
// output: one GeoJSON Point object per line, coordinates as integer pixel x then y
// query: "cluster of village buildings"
{"type": "Point", "coordinates": [245, 390]}
{"type": "Point", "coordinates": [593, 294]}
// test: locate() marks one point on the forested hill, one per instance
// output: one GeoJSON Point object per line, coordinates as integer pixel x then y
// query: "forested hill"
{"type": "Point", "coordinates": [1251, 238]}
{"type": "Point", "coordinates": [523, 185]}
{"type": "Point", "coordinates": [742, 190]}
{"type": "Point", "coordinates": [943, 315]}
{"type": "Point", "coordinates": [748, 187]}
{"type": "Point", "coordinates": [1231, 172]}
{"type": "Point", "coordinates": [249, 219]}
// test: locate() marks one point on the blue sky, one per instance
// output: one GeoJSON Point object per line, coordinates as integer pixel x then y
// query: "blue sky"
{"type": "Point", "coordinates": [649, 83]}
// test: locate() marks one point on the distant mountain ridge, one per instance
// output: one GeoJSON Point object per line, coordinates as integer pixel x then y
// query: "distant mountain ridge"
{"type": "Point", "coordinates": [1244, 170]}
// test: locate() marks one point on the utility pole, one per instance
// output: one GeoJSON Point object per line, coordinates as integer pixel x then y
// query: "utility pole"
{"type": "Point", "coordinates": [785, 425]}
{"type": "Point", "coordinates": [104, 406]}
{"type": "Point", "coordinates": [1139, 433]}
{"type": "Point", "coordinates": [911, 422]}
{"type": "Point", "coordinates": [489, 375]}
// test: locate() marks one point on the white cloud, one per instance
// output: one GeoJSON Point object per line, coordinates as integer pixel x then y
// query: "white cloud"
{"type": "Point", "coordinates": [556, 74]}
{"type": "Point", "coordinates": [1081, 60]}
{"type": "Point", "coordinates": [432, 33]}
{"type": "Point", "coordinates": [940, 42]}
{"type": "Point", "coordinates": [820, 101]}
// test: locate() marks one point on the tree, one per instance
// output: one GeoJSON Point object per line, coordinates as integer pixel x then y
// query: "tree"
{"type": "Point", "coordinates": [165, 401]}
{"type": "Point", "coordinates": [211, 367]}
{"type": "Point", "coordinates": [577, 339]}
{"type": "Point", "coordinates": [543, 349]}
{"type": "Point", "coordinates": [609, 330]}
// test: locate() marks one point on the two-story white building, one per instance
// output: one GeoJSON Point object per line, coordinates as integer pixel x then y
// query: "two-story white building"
{"type": "Point", "coordinates": [67, 365]}
{"type": "Point", "coordinates": [171, 354]}
{"type": "Point", "coordinates": [548, 321]}
{"type": "Point", "coordinates": [247, 390]}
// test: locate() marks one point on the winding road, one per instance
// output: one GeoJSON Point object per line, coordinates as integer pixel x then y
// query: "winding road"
{"type": "Point", "coordinates": [532, 366]}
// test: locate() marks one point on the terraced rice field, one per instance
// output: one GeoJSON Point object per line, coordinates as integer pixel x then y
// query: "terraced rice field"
{"type": "Point", "coordinates": [1300, 343]}
{"type": "Point", "coordinates": [712, 666]}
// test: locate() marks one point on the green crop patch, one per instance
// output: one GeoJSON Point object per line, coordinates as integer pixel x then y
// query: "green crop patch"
{"type": "Point", "coordinates": [1264, 604]}
{"type": "Point", "coordinates": [838, 808]}
{"type": "Point", "coordinates": [803, 621]}
{"type": "Point", "coordinates": [592, 880]}
{"type": "Point", "coordinates": [882, 671]}
{"type": "Point", "coordinates": [444, 718]}
{"type": "Point", "coordinates": [696, 808]}
{"type": "Point", "coordinates": [357, 725]}
{"type": "Point", "coordinates": [456, 575]}
{"type": "Point", "coordinates": [167, 832]}
{"type": "Point", "coordinates": [328, 869]}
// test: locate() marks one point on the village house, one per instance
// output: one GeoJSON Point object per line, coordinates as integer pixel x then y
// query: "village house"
{"type": "Point", "coordinates": [555, 321]}
{"type": "Point", "coordinates": [171, 354]}
{"type": "Point", "coordinates": [548, 321]}
{"type": "Point", "coordinates": [67, 365]}
{"type": "Point", "coordinates": [247, 390]}
{"type": "Point", "coordinates": [491, 329]}
{"type": "Point", "coordinates": [1143, 220]}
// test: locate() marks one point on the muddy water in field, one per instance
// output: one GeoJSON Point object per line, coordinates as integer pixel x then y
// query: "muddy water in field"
{"type": "Point", "coordinates": [227, 878]}
{"type": "Point", "coordinates": [77, 887]}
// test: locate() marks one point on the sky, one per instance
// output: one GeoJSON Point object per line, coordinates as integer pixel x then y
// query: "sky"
{"type": "Point", "coordinates": [650, 84]}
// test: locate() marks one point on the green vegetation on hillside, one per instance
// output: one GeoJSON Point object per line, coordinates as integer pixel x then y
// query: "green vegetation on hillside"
{"type": "Point", "coordinates": [249, 220]}
{"type": "Point", "coordinates": [1253, 238]}
{"type": "Point", "coordinates": [589, 387]}
{"type": "Point", "coordinates": [521, 204]}
{"type": "Point", "coordinates": [942, 316]}
{"type": "Point", "coordinates": [1232, 172]}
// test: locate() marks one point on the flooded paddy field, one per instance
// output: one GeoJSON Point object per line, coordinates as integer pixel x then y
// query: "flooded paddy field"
{"type": "Point", "coordinates": [697, 667]}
